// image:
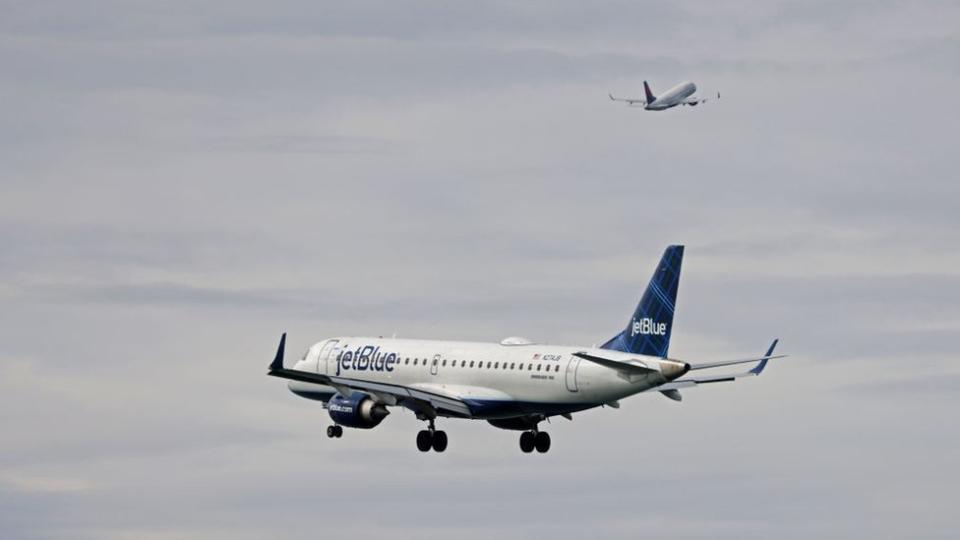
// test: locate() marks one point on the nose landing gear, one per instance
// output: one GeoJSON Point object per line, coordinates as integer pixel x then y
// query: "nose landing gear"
{"type": "Point", "coordinates": [534, 439]}
{"type": "Point", "coordinates": [431, 438]}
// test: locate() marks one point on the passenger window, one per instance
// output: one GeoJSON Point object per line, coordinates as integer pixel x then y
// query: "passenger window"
{"type": "Point", "coordinates": [489, 364]}
{"type": "Point", "coordinates": [530, 367]}
{"type": "Point", "coordinates": [557, 367]}
{"type": "Point", "coordinates": [407, 361]}
{"type": "Point", "coordinates": [512, 365]}
{"type": "Point", "coordinates": [444, 363]}
{"type": "Point", "coordinates": [539, 366]}
{"type": "Point", "coordinates": [435, 361]}
{"type": "Point", "coordinates": [496, 365]}
{"type": "Point", "coordinates": [471, 363]}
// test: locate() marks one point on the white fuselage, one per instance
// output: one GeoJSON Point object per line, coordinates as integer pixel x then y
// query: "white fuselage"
{"type": "Point", "coordinates": [672, 97]}
{"type": "Point", "coordinates": [497, 380]}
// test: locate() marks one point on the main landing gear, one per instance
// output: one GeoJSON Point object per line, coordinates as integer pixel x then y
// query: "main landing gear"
{"type": "Point", "coordinates": [334, 432]}
{"type": "Point", "coordinates": [431, 438]}
{"type": "Point", "coordinates": [534, 439]}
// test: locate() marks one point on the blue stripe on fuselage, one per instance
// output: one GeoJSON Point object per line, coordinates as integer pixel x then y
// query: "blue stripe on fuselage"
{"type": "Point", "coordinates": [485, 408]}
{"type": "Point", "coordinates": [498, 408]}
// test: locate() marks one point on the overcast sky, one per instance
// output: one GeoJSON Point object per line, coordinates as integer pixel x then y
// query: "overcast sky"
{"type": "Point", "coordinates": [181, 183]}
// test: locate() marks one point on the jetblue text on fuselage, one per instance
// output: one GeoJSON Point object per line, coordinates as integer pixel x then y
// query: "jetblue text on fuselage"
{"type": "Point", "coordinates": [335, 407]}
{"type": "Point", "coordinates": [647, 326]}
{"type": "Point", "coordinates": [366, 358]}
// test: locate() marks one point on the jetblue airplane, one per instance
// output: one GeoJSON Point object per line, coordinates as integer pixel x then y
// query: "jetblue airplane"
{"type": "Point", "coordinates": [515, 384]}
{"type": "Point", "coordinates": [678, 95]}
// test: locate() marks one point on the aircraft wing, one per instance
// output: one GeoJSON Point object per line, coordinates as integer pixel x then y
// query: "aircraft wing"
{"type": "Point", "coordinates": [628, 101]}
{"type": "Point", "coordinates": [392, 394]}
{"type": "Point", "coordinates": [673, 386]}
{"type": "Point", "coordinates": [697, 100]}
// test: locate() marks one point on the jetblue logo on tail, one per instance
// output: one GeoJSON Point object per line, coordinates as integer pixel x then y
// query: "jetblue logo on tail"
{"type": "Point", "coordinates": [648, 327]}
{"type": "Point", "coordinates": [648, 330]}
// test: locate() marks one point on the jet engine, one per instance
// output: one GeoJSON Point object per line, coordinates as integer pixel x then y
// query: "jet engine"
{"type": "Point", "coordinates": [356, 411]}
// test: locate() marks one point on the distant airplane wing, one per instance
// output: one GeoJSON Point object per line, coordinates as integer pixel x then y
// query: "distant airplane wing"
{"type": "Point", "coordinates": [628, 101]}
{"type": "Point", "coordinates": [691, 101]}
{"type": "Point", "coordinates": [448, 404]}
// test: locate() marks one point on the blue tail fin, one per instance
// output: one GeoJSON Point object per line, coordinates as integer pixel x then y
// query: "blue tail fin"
{"type": "Point", "coordinates": [648, 332]}
{"type": "Point", "coordinates": [651, 98]}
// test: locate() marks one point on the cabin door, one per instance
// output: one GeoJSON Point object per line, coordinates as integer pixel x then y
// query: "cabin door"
{"type": "Point", "coordinates": [328, 356]}
{"type": "Point", "coordinates": [572, 366]}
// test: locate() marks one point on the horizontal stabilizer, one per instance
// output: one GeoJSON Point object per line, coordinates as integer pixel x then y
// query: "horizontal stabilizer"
{"type": "Point", "coordinates": [708, 365]}
{"type": "Point", "coordinates": [635, 366]}
{"type": "Point", "coordinates": [672, 386]}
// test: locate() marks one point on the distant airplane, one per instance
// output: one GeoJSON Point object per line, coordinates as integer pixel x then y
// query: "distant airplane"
{"type": "Point", "coordinates": [515, 384]}
{"type": "Point", "coordinates": [678, 95]}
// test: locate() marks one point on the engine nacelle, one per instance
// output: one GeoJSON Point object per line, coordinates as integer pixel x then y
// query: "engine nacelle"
{"type": "Point", "coordinates": [356, 411]}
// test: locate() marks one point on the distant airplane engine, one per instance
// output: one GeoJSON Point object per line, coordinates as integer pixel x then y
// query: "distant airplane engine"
{"type": "Point", "coordinates": [356, 411]}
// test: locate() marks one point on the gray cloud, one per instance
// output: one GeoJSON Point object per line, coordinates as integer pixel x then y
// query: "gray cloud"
{"type": "Point", "coordinates": [182, 184]}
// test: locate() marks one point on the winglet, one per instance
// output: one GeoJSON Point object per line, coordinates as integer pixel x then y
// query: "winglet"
{"type": "Point", "coordinates": [763, 363]}
{"type": "Point", "coordinates": [277, 363]}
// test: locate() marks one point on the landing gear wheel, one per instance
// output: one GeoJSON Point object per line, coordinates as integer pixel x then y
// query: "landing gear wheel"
{"type": "Point", "coordinates": [439, 441]}
{"type": "Point", "coordinates": [542, 442]}
{"type": "Point", "coordinates": [527, 442]}
{"type": "Point", "coordinates": [424, 441]}
{"type": "Point", "coordinates": [331, 431]}
{"type": "Point", "coordinates": [338, 431]}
